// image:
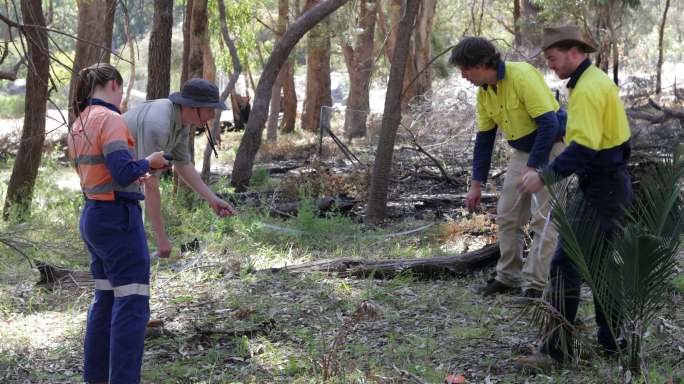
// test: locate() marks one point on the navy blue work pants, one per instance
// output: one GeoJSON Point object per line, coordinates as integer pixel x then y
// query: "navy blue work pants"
{"type": "Point", "coordinates": [114, 234]}
{"type": "Point", "coordinates": [608, 195]}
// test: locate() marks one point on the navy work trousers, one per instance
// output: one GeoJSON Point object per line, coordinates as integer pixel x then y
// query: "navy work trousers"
{"type": "Point", "coordinates": [114, 234]}
{"type": "Point", "coordinates": [608, 195]}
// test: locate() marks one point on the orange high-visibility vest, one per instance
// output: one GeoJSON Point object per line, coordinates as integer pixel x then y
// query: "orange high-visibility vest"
{"type": "Point", "coordinates": [96, 133]}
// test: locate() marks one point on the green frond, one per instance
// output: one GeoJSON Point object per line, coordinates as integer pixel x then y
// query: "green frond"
{"type": "Point", "coordinates": [628, 273]}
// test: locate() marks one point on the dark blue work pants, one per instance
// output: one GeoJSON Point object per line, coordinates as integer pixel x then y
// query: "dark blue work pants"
{"type": "Point", "coordinates": [608, 195]}
{"type": "Point", "coordinates": [120, 263]}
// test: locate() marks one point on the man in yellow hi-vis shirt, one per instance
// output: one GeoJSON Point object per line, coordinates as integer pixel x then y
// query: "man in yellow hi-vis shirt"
{"type": "Point", "coordinates": [598, 138]}
{"type": "Point", "coordinates": [514, 98]}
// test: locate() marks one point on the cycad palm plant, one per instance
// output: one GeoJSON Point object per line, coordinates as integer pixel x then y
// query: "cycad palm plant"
{"type": "Point", "coordinates": [648, 250]}
{"type": "Point", "coordinates": [628, 273]}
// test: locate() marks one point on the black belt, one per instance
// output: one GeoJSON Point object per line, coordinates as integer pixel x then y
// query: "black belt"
{"type": "Point", "coordinates": [612, 174]}
{"type": "Point", "coordinates": [118, 200]}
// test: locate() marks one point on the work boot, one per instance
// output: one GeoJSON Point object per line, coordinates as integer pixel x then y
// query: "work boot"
{"type": "Point", "coordinates": [537, 362]}
{"type": "Point", "coordinates": [495, 286]}
{"type": "Point", "coordinates": [528, 295]}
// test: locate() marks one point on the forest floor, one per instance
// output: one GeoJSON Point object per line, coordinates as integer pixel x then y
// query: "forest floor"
{"type": "Point", "coordinates": [222, 317]}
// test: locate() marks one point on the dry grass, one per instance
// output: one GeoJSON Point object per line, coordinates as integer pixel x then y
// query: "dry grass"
{"type": "Point", "coordinates": [318, 181]}
{"type": "Point", "coordinates": [301, 146]}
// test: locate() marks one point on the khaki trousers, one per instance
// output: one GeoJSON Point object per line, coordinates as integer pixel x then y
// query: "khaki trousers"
{"type": "Point", "coordinates": [514, 210]}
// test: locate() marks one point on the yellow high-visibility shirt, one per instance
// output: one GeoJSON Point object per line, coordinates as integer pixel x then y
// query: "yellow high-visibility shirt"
{"type": "Point", "coordinates": [520, 96]}
{"type": "Point", "coordinates": [596, 115]}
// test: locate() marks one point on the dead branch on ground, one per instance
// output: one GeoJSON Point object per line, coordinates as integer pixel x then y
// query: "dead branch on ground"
{"type": "Point", "coordinates": [657, 118]}
{"type": "Point", "coordinates": [431, 267]}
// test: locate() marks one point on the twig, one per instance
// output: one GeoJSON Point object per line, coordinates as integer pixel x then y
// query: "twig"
{"type": "Point", "coordinates": [419, 148]}
{"type": "Point", "coordinates": [424, 69]}
{"type": "Point", "coordinates": [185, 269]}
{"type": "Point", "coordinates": [21, 27]}
{"type": "Point", "coordinates": [409, 374]}
{"type": "Point", "coordinates": [296, 232]}
{"type": "Point", "coordinates": [12, 246]}
{"type": "Point", "coordinates": [264, 24]}
{"type": "Point", "coordinates": [419, 229]}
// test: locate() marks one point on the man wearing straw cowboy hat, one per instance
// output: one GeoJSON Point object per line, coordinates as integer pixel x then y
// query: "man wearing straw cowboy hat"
{"type": "Point", "coordinates": [164, 124]}
{"type": "Point", "coordinates": [512, 97]}
{"type": "Point", "coordinates": [598, 138]}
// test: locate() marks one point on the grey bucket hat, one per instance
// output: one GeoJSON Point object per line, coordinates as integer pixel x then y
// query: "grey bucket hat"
{"type": "Point", "coordinates": [198, 93]}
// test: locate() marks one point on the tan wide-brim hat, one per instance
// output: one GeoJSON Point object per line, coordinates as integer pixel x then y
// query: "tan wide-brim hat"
{"type": "Point", "coordinates": [555, 35]}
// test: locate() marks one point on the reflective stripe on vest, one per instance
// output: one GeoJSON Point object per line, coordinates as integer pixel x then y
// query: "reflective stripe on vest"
{"type": "Point", "coordinates": [97, 133]}
{"type": "Point", "coordinates": [110, 187]}
{"type": "Point", "coordinates": [89, 160]}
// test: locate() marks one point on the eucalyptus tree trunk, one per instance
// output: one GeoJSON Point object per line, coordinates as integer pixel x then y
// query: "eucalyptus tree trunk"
{"type": "Point", "coordinates": [196, 53]}
{"type": "Point", "coordinates": [198, 46]}
{"type": "Point", "coordinates": [251, 139]}
{"type": "Point", "coordinates": [661, 35]}
{"type": "Point", "coordinates": [602, 36]}
{"type": "Point", "coordinates": [377, 199]}
{"type": "Point", "coordinates": [237, 69]}
{"type": "Point", "coordinates": [359, 61]}
{"type": "Point", "coordinates": [530, 31]}
{"type": "Point", "coordinates": [131, 49]}
{"type": "Point", "coordinates": [159, 59]}
{"type": "Point", "coordinates": [289, 98]}
{"type": "Point", "coordinates": [25, 170]}
{"type": "Point", "coordinates": [274, 109]}
{"type": "Point", "coordinates": [317, 73]}
{"type": "Point", "coordinates": [95, 28]}
{"type": "Point", "coordinates": [272, 126]}
{"type": "Point", "coordinates": [612, 38]}
{"type": "Point", "coordinates": [390, 31]}
{"type": "Point", "coordinates": [185, 65]}
{"type": "Point", "coordinates": [423, 47]}
{"type": "Point", "coordinates": [419, 48]}
{"type": "Point", "coordinates": [289, 93]}
{"type": "Point", "coordinates": [185, 58]}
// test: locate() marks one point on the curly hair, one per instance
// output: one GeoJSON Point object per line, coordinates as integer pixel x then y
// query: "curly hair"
{"type": "Point", "coordinates": [473, 51]}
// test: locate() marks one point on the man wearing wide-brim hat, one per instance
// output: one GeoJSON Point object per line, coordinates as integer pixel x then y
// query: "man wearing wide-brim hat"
{"type": "Point", "coordinates": [164, 125]}
{"type": "Point", "coordinates": [598, 138]}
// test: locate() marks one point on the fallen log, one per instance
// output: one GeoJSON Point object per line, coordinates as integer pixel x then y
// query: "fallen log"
{"type": "Point", "coordinates": [424, 268]}
{"type": "Point", "coordinates": [52, 276]}
{"type": "Point", "coordinates": [281, 167]}
{"type": "Point", "coordinates": [659, 117]}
